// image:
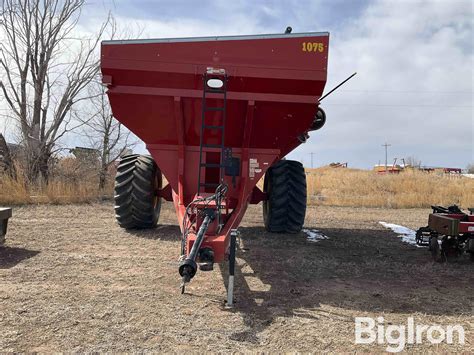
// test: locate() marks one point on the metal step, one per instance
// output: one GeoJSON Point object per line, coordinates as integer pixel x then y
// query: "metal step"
{"type": "Point", "coordinates": [215, 91]}
{"type": "Point", "coordinates": [213, 108]}
{"type": "Point", "coordinates": [213, 145]}
{"type": "Point", "coordinates": [213, 127]}
{"type": "Point", "coordinates": [213, 165]}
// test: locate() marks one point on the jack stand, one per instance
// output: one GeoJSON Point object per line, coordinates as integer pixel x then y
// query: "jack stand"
{"type": "Point", "coordinates": [230, 287]}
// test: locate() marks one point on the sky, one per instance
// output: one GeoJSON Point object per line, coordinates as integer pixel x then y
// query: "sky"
{"type": "Point", "coordinates": [414, 59]}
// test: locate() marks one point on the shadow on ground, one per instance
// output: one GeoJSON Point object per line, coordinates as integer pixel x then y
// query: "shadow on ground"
{"type": "Point", "coordinates": [9, 256]}
{"type": "Point", "coordinates": [167, 232]}
{"type": "Point", "coordinates": [283, 275]}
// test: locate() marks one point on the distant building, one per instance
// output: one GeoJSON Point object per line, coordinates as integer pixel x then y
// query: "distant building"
{"type": "Point", "coordinates": [338, 165]}
{"type": "Point", "coordinates": [84, 153]}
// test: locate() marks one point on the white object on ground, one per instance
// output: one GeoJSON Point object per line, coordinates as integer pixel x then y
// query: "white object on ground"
{"type": "Point", "coordinates": [408, 235]}
{"type": "Point", "coordinates": [313, 235]}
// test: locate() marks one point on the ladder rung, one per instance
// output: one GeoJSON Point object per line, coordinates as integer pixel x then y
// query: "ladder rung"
{"type": "Point", "coordinates": [209, 184]}
{"type": "Point", "coordinates": [213, 145]}
{"type": "Point", "coordinates": [213, 109]}
{"type": "Point", "coordinates": [215, 91]}
{"type": "Point", "coordinates": [213, 165]}
{"type": "Point", "coordinates": [214, 127]}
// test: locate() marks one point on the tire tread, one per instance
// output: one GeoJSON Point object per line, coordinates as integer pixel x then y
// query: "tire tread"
{"type": "Point", "coordinates": [134, 192]}
{"type": "Point", "coordinates": [285, 210]}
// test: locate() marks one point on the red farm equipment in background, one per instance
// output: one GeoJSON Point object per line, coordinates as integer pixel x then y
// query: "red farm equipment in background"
{"type": "Point", "coordinates": [449, 233]}
{"type": "Point", "coordinates": [216, 114]}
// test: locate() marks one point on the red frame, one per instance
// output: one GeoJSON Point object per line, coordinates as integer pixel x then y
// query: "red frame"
{"type": "Point", "coordinates": [464, 226]}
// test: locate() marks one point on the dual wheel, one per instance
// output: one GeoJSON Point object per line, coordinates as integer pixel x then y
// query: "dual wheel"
{"type": "Point", "coordinates": [138, 180]}
{"type": "Point", "coordinates": [441, 253]}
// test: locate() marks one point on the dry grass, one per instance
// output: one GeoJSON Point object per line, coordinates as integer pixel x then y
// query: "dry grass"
{"type": "Point", "coordinates": [350, 187]}
{"type": "Point", "coordinates": [326, 186]}
{"type": "Point", "coordinates": [73, 281]}
{"type": "Point", "coordinates": [13, 192]}
{"type": "Point", "coordinates": [69, 183]}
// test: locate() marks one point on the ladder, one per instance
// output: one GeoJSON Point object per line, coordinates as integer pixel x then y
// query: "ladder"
{"type": "Point", "coordinates": [217, 74]}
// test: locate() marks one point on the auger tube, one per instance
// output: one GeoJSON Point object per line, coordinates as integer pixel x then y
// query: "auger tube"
{"type": "Point", "coordinates": [187, 269]}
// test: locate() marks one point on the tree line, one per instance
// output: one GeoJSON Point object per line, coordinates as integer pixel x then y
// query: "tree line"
{"type": "Point", "coordinates": [50, 84]}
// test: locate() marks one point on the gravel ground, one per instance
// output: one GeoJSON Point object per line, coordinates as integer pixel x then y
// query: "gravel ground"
{"type": "Point", "coordinates": [71, 280]}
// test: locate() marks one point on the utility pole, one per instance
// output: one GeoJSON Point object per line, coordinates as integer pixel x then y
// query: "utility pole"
{"type": "Point", "coordinates": [311, 159]}
{"type": "Point", "coordinates": [386, 156]}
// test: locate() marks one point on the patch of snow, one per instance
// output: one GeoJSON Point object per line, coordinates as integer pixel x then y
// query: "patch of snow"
{"type": "Point", "coordinates": [468, 175]}
{"type": "Point", "coordinates": [313, 235]}
{"type": "Point", "coordinates": [408, 235]}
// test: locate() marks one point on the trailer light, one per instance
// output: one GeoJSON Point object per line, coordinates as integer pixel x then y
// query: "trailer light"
{"type": "Point", "coordinates": [319, 120]}
{"type": "Point", "coordinates": [215, 83]}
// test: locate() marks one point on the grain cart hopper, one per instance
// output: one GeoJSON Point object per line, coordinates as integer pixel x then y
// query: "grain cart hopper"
{"type": "Point", "coordinates": [216, 114]}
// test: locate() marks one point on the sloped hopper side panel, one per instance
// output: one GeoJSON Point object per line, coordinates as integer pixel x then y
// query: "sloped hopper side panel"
{"type": "Point", "coordinates": [274, 82]}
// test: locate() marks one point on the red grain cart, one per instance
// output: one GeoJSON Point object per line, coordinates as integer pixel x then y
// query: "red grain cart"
{"type": "Point", "coordinates": [216, 114]}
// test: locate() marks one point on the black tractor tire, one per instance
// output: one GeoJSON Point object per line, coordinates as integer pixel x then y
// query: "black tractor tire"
{"type": "Point", "coordinates": [284, 209]}
{"type": "Point", "coordinates": [137, 204]}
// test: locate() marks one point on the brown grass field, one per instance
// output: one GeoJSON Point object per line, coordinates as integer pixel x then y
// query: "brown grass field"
{"type": "Point", "coordinates": [71, 183]}
{"type": "Point", "coordinates": [326, 187]}
{"type": "Point", "coordinates": [72, 281]}
{"type": "Point", "coordinates": [411, 189]}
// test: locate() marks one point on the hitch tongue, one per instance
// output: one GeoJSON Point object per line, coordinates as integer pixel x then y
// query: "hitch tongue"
{"type": "Point", "coordinates": [188, 267]}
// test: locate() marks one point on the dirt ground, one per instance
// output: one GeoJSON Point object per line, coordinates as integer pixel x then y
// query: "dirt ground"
{"type": "Point", "coordinates": [72, 280]}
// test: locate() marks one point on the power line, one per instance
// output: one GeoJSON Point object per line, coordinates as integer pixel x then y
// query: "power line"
{"type": "Point", "coordinates": [394, 105]}
{"type": "Point", "coordinates": [410, 91]}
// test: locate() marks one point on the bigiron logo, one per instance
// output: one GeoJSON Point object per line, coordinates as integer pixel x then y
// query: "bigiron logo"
{"type": "Point", "coordinates": [369, 330]}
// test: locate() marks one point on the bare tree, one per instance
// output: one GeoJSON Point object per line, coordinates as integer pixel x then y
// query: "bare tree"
{"type": "Point", "coordinates": [44, 72]}
{"type": "Point", "coordinates": [413, 161]}
{"type": "Point", "coordinates": [104, 132]}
